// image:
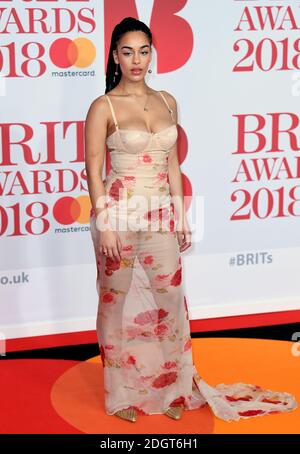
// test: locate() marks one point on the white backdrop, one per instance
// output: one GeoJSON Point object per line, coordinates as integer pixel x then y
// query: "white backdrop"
{"type": "Point", "coordinates": [235, 75]}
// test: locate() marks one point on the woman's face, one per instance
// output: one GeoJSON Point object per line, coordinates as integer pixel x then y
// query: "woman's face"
{"type": "Point", "coordinates": [134, 55]}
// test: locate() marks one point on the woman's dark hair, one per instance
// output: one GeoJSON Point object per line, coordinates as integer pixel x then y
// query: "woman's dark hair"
{"type": "Point", "coordinates": [128, 24]}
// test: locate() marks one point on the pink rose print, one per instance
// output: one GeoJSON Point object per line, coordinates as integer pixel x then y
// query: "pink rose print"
{"type": "Point", "coordinates": [161, 329]}
{"type": "Point", "coordinates": [129, 182]}
{"type": "Point", "coordinates": [154, 316]}
{"type": "Point", "coordinates": [157, 214]}
{"type": "Point", "coordinates": [111, 266]}
{"type": "Point", "coordinates": [176, 279]}
{"type": "Point", "coordinates": [146, 378]}
{"type": "Point", "coordinates": [187, 345]}
{"type": "Point", "coordinates": [161, 281]}
{"type": "Point", "coordinates": [131, 360]}
{"type": "Point", "coordinates": [270, 401]}
{"type": "Point", "coordinates": [148, 260]}
{"type": "Point", "coordinates": [250, 412]}
{"type": "Point", "coordinates": [164, 380]}
{"type": "Point", "coordinates": [179, 401]}
{"type": "Point", "coordinates": [114, 191]}
{"type": "Point", "coordinates": [172, 225]}
{"type": "Point", "coordinates": [127, 360]}
{"type": "Point", "coordinates": [161, 277]}
{"type": "Point", "coordinates": [133, 331]}
{"type": "Point", "coordinates": [161, 177]}
{"type": "Point", "coordinates": [107, 297]}
{"type": "Point", "coordinates": [146, 158]}
{"type": "Point", "coordinates": [127, 250]}
{"type": "Point", "coordinates": [236, 399]}
{"type": "Point", "coordinates": [169, 365]}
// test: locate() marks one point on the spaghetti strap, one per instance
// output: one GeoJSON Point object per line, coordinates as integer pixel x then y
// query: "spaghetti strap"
{"type": "Point", "coordinates": [169, 109]}
{"type": "Point", "coordinates": [112, 111]}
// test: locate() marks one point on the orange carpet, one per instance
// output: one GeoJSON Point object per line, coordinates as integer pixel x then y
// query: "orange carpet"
{"type": "Point", "coordinates": [77, 395]}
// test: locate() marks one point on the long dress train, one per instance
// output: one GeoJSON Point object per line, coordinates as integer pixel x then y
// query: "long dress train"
{"type": "Point", "coordinates": [142, 322]}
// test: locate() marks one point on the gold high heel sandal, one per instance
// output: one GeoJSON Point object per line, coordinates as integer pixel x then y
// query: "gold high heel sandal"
{"type": "Point", "coordinates": [127, 413]}
{"type": "Point", "coordinates": [175, 412]}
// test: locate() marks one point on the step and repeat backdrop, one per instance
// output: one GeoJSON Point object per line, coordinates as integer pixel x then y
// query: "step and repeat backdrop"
{"type": "Point", "coordinates": [233, 67]}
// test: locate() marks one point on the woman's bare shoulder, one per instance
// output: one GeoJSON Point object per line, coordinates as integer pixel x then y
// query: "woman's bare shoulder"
{"type": "Point", "coordinates": [99, 102]}
{"type": "Point", "coordinates": [98, 106]}
{"type": "Point", "coordinates": [170, 98]}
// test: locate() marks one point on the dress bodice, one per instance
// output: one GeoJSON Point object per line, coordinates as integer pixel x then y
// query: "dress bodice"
{"type": "Point", "coordinates": [140, 153]}
{"type": "Point", "coordinates": [137, 141]}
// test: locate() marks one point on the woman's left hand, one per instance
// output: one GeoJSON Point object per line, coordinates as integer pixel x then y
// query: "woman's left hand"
{"type": "Point", "coordinates": [184, 236]}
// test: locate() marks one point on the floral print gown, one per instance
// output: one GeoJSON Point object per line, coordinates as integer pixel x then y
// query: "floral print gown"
{"type": "Point", "coordinates": [142, 322]}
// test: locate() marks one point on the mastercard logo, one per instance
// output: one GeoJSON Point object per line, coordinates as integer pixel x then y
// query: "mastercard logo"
{"type": "Point", "coordinates": [79, 52]}
{"type": "Point", "coordinates": [68, 210]}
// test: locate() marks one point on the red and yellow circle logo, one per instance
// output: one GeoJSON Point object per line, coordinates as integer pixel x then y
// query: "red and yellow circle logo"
{"type": "Point", "coordinates": [79, 52]}
{"type": "Point", "coordinates": [67, 210]}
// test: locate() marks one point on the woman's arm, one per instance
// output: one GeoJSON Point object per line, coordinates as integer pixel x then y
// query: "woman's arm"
{"type": "Point", "coordinates": [95, 134]}
{"type": "Point", "coordinates": [95, 149]}
{"type": "Point", "coordinates": [176, 187]}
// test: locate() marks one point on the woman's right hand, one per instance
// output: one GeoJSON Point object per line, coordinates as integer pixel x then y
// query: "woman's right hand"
{"type": "Point", "coordinates": [110, 245]}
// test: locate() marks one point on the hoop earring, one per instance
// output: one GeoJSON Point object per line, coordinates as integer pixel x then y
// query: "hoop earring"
{"type": "Point", "coordinates": [116, 72]}
{"type": "Point", "coordinates": [149, 70]}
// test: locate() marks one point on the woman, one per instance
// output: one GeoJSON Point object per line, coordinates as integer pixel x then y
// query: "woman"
{"type": "Point", "coordinates": [139, 228]}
